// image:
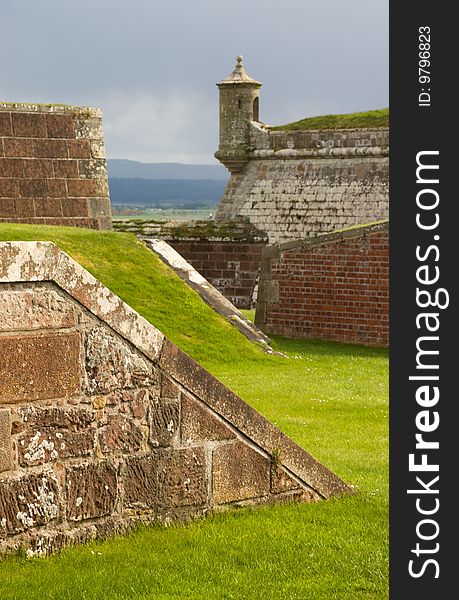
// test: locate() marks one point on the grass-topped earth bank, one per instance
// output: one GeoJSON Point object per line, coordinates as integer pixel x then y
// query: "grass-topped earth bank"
{"type": "Point", "coordinates": [330, 398]}
{"type": "Point", "coordinates": [358, 120]}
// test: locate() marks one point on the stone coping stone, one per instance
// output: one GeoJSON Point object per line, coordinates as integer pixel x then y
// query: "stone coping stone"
{"type": "Point", "coordinates": [62, 109]}
{"type": "Point", "coordinates": [208, 292]}
{"type": "Point", "coordinates": [275, 250]}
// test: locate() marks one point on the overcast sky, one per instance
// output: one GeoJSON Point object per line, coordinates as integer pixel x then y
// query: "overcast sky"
{"type": "Point", "coordinates": [152, 65]}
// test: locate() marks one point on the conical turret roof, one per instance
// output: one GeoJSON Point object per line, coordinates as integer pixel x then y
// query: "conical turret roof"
{"type": "Point", "coordinates": [239, 75]}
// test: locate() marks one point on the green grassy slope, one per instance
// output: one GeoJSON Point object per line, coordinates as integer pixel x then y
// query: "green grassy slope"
{"type": "Point", "coordinates": [371, 118]}
{"type": "Point", "coordinates": [330, 398]}
{"type": "Point", "coordinates": [151, 288]}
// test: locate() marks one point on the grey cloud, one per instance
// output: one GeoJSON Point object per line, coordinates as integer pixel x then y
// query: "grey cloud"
{"type": "Point", "coordinates": [313, 56]}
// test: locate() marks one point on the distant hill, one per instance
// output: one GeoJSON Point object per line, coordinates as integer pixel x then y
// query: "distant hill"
{"type": "Point", "coordinates": [122, 169]}
{"type": "Point", "coordinates": [163, 193]}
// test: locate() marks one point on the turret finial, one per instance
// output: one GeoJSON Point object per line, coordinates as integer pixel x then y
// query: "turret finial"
{"type": "Point", "coordinates": [239, 75]}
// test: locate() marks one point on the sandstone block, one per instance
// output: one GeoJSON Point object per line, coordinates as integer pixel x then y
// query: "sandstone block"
{"type": "Point", "coordinates": [37, 168]}
{"type": "Point", "coordinates": [28, 502]}
{"type": "Point", "coordinates": [6, 447]}
{"type": "Point", "coordinates": [56, 188]}
{"type": "Point", "coordinates": [51, 149]}
{"type": "Point", "coordinates": [39, 446]}
{"type": "Point", "coordinates": [75, 207]}
{"type": "Point", "coordinates": [24, 208]}
{"type": "Point", "coordinates": [122, 434]}
{"type": "Point", "coordinates": [137, 401]}
{"type": "Point", "coordinates": [281, 480]}
{"type": "Point", "coordinates": [140, 481]}
{"type": "Point", "coordinates": [79, 148]}
{"type": "Point", "coordinates": [32, 188]}
{"type": "Point", "coordinates": [112, 364]}
{"type": "Point", "coordinates": [55, 433]}
{"type": "Point", "coordinates": [38, 309]}
{"type": "Point", "coordinates": [65, 168]}
{"type": "Point", "coordinates": [7, 206]}
{"type": "Point", "coordinates": [164, 422]}
{"type": "Point", "coordinates": [239, 473]}
{"type": "Point", "coordinates": [97, 148]}
{"type": "Point", "coordinates": [29, 125]}
{"type": "Point", "coordinates": [198, 423]}
{"type": "Point", "coordinates": [39, 367]}
{"type": "Point", "coordinates": [48, 207]}
{"type": "Point", "coordinates": [99, 207]}
{"type": "Point", "coordinates": [60, 126]}
{"type": "Point", "coordinates": [92, 168]}
{"type": "Point", "coordinates": [89, 129]}
{"type": "Point", "coordinates": [91, 490]}
{"type": "Point", "coordinates": [81, 188]}
{"type": "Point", "coordinates": [183, 477]}
{"type": "Point", "coordinates": [166, 478]}
{"type": "Point", "coordinates": [73, 419]}
{"type": "Point", "coordinates": [11, 167]}
{"type": "Point", "coordinates": [9, 188]}
{"type": "Point", "coordinates": [18, 147]}
{"type": "Point", "coordinates": [5, 124]}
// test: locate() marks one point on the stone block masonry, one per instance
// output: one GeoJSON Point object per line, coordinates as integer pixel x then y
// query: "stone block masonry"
{"type": "Point", "coordinates": [297, 184]}
{"type": "Point", "coordinates": [104, 423]}
{"type": "Point", "coordinates": [52, 166]}
{"type": "Point", "coordinates": [332, 287]}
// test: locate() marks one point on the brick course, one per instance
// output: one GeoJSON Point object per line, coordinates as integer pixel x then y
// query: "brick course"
{"type": "Point", "coordinates": [40, 150]}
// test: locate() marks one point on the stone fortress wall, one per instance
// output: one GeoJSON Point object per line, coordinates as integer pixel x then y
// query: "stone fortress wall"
{"type": "Point", "coordinates": [104, 423]}
{"type": "Point", "coordinates": [298, 184]}
{"type": "Point", "coordinates": [52, 166]}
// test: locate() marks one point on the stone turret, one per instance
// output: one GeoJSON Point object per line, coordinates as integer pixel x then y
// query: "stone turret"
{"type": "Point", "coordinates": [239, 104]}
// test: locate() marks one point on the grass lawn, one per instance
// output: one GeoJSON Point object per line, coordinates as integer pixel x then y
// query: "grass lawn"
{"type": "Point", "coordinates": [331, 398]}
{"type": "Point", "coordinates": [370, 118]}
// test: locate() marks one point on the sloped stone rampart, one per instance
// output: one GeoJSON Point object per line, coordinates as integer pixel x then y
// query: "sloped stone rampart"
{"type": "Point", "coordinates": [227, 256]}
{"type": "Point", "coordinates": [208, 292]}
{"type": "Point", "coordinates": [113, 424]}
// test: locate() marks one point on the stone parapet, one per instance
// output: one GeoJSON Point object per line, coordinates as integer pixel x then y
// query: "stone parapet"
{"type": "Point", "coordinates": [304, 183]}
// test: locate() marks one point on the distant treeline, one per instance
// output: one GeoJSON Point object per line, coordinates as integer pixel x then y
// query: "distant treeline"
{"type": "Point", "coordinates": [166, 192]}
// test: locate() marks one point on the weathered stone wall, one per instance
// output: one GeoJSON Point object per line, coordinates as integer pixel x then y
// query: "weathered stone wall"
{"type": "Point", "coordinates": [302, 183]}
{"type": "Point", "coordinates": [228, 257]}
{"type": "Point", "coordinates": [52, 166]}
{"type": "Point", "coordinates": [105, 423]}
{"type": "Point", "coordinates": [333, 287]}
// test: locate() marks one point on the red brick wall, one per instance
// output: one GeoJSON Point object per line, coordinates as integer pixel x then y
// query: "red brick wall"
{"type": "Point", "coordinates": [337, 289]}
{"type": "Point", "coordinates": [232, 267]}
{"type": "Point", "coordinates": [52, 166]}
